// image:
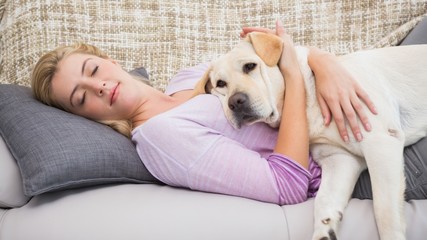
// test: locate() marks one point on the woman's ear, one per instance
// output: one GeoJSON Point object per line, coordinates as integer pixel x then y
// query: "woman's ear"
{"type": "Point", "coordinates": [267, 46]}
{"type": "Point", "coordinates": [204, 85]}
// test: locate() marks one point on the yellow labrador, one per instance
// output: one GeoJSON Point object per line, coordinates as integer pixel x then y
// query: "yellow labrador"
{"type": "Point", "coordinates": [250, 86]}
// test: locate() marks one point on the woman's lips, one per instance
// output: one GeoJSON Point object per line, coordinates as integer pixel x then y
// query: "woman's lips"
{"type": "Point", "coordinates": [114, 94]}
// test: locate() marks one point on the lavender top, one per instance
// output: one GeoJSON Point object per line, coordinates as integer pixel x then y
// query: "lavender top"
{"type": "Point", "coordinates": [193, 146]}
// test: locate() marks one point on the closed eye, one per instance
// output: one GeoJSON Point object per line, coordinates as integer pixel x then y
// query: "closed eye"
{"type": "Point", "coordinates": [82, 101]}
{"type": "Point", "coordinates": [248, 67]}
{"type": "Point", "coordinates": [94, 71]}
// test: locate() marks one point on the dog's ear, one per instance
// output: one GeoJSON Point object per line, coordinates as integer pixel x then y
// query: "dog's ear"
{"type": "Point", "coordinates": [267, 46]}
{"type": "Point", "coordinates": [204, 85]}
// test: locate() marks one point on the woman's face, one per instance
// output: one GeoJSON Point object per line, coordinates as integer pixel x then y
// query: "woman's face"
{"type": "Point", "coordinates": [95, 88]}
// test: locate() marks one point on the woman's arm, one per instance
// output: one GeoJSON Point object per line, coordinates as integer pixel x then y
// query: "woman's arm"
{"type": "Point", "coordinates": [293, 139]}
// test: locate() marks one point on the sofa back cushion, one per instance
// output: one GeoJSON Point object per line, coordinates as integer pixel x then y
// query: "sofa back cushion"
{"type": "Point", "coordinates": [168, 35]}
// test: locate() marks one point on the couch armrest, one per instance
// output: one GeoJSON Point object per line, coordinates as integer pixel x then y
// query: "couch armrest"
{"type": "Point", "coordinates": [11, 189]}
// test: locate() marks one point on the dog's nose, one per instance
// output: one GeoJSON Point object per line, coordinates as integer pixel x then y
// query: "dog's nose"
{"type": "Point", "coordinates": [238, 102]}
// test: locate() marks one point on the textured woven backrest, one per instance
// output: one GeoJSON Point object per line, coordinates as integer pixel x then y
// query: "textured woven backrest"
{"type": "Point", "coordinates": [165, 36]}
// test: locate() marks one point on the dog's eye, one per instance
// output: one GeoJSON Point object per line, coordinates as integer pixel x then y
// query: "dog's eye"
{"type": "Point", "coordinates": [221, 84]}
{"type": "Point", "coordinates": [249, 67]}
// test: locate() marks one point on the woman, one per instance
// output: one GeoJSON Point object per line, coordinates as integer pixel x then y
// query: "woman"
{"type": "Point", "coordinates": [187, 142]}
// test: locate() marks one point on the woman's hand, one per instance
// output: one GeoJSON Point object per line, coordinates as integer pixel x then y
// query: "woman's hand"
{"type": "Point", "coordinates": [288, 62]}
{"type": "Point", "coordinates": [338, 93]}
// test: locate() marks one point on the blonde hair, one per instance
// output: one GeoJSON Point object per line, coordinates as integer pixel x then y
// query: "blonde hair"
{"type": "Point", "coordinates": [46, 67]}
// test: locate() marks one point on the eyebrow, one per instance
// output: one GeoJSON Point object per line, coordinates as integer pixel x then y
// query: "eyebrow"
{"type": "Point", "coordinates": [84, 64]}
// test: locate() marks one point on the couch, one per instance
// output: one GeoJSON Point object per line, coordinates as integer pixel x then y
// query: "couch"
{"type": "Point", "coordinates": [65, 177]}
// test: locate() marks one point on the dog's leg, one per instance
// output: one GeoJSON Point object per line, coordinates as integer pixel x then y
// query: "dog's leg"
{"type": "Point", "coordinates": [340, 171]}
{"type": "Point", "coordinates": [385, 164]}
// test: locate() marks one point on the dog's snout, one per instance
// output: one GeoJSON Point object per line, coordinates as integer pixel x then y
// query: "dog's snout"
{"type": "Point", "coordinates": [238, 101]}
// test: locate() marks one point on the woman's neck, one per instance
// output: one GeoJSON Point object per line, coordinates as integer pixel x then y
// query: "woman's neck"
{"type": "Point", "coordinates": [157, 102]}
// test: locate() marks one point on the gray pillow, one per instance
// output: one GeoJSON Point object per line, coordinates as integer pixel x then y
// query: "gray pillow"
{"type": "Point", "coordinates": [56, 150]}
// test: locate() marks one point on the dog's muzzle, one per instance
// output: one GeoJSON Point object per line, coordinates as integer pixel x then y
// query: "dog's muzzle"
{"type": "Point", "coordinates": [238, 102]}
{"type": "Point", "coordinates": [243, 113]}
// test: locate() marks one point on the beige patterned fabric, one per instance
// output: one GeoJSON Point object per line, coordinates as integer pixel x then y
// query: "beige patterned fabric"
{"type": "Point", "coordinates": [165, 36]}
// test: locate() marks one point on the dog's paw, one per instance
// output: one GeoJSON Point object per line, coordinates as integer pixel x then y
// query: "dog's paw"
{"type": "Point", "coordinates": [327, 227]}
{"type": "Point", "coordinates": [330, 235]}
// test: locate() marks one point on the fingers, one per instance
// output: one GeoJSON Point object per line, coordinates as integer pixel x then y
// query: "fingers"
{"type": "Point", "coordinates": [349, 110]}
{"type": "Point", "coordinates": [337, 113]}
{"type": "Point", "coordinates": [340, 107]}
{"type": "Point", "coordinates": [346, 109]}
{"type": "Point", "coordinates": [280, 30]}
{"type": "Point", "coordinates": [366, 99]}
{"type": "Point", "coordinates": [355, 111]}
{"type": "Point", "coordinates": [357, 105]}
{"type": "Point", "coordinates": [326, 112]}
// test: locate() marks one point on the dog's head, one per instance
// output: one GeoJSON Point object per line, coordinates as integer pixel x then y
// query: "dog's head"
{"type": "Point", "coordinates": [248, 81]}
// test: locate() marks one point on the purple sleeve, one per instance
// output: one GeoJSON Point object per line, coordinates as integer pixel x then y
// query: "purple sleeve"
{"type": "Point", "coordinates": [295, 183]}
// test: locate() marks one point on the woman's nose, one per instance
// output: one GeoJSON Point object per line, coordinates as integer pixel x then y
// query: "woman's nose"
{"type": "Point", "coordinates": [97, 87]}
{"type": "Point", "coordinates": [100, 89]}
